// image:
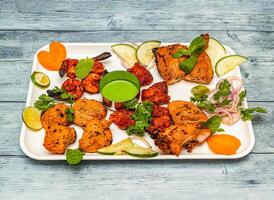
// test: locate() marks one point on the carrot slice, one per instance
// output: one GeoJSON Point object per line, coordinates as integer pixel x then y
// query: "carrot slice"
{"type": "Point", "coordinates": [53, 59]}
{"type": "Point", "coordinates": [223, 144]}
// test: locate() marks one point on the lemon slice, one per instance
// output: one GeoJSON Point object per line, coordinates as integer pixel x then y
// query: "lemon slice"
{"type": "Point", "coordinates": [228, 63]}
{"type": "Point", "coordinates": [31, 117]}
{"type": "Point", "coordinates": [40, 79]}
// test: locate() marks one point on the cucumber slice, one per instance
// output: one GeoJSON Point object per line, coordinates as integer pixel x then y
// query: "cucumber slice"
{"type": "Point", "coordinates": [228, 63]}
{"type": "Point", "coordinates": [144, 52]}
{"type": "Point", "coordinates": [126, 52]}
{"type": "Point", "coordinates": [215, 51]}
{"type": "Point", "coordinates": [40, 79]}
{"type": "Point", "coordinates": [118, 148]}
{"type": "Point", "coordinates": [31, 118]}
{"type": "Point", "coordinates": [141, 152]}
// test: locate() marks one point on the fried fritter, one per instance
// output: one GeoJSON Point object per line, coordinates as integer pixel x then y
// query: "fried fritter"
{"type": "Point", "coordinates": [55, 115]}
{"type": "Point", "coordinates": [182, 111]}
{"type": "Point", "coordinates": [168, 66]}
{"type": "Point", "coordinates": [142, 74]}
{"type": "Point", "coordinates": [157, 94]}
{"type": "Point", "coordinates": [86, 110]}
{"type": "Point", "coordinates": [96, 135]}
{"type": "Point", "coordinates": [122, 118]}
{"type": "Point", "coordinates": [57, 138]}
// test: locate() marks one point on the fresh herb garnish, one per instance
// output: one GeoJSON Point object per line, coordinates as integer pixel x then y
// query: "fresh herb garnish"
{"type": "Point", "coordinates": [70, 114]}
{"type": "Point", "coordinates": [61, 94]}
{"type": "Point", "coordinates": [44, 102]}
{"type": "Point", "coordinates": [223, 91]}
{"type": "Point", "coordinates": [203, 103]}
{"type": "Point", "coordinates": [247, 113]}
{"type": "Point", "coordinates": [83, 67]}
{"type": "Point", "coordinates": [213, 124]}
{"type": "Point", "coordinates": [195, 48]}
{"type": "Point", "coordinates": [188, 64]}
{"type": "Point", "coordinates": [131, 104]}
{"type": "Point", "coordinates": [242, 95]}
{"type": "Point", "coordinates": [74, 156]}
{"type": "Point", "coordinates": [142, 117]}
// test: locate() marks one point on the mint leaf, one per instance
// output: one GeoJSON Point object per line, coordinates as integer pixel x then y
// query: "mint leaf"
{"type": "Point", "coordinates": [181, 52]}
{"type": "Point", "coordinates": [74, 156]}
{"type": "Point", "coordinates": [70, 114]}
{"type": "Point", "coordinates": [247, 113]}
{"type": "Point", "coordinates": [84, 67]}
{"type": "Point", "coordinates": [213, 123]}
{"type": "Point", "coordinates": [188, 64]}
{"type": "Point", "coordinates": [197, 45]}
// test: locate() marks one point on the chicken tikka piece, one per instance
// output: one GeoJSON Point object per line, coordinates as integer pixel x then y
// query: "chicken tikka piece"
{"type": "Point", "coordinates": [169, 68]}
{"type": "Point", "coordinates": [86, 110]}
{"type": "Point", "coordinates": [96, 135]}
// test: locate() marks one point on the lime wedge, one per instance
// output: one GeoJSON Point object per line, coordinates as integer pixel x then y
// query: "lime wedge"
{"type": "Point", "coordinates": [144, 52]}
{"type": "Point", "coordinates": [200, 90]}
{"type": "Point", "coordinates": [228, 63]}
{"type": "Point", "coordinates": [40, 79]}
{"type": "Point", "coordinates": [31, 117]}
{"type": "Point", "coordinates": [215, 51]}
{"type": "Point", "coordinates": [142, 152]}
{"type": "Point", "coordinates": [126, 52]}
{"type": "Point", "coordinates": [118, 148]}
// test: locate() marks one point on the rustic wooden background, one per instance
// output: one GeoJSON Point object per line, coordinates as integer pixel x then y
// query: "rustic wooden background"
{"type": "Point", "coordinates": [247, 26]}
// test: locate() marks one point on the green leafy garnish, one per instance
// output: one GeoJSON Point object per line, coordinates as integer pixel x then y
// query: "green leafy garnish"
{"type": "Point", "coordinates": [83, 67]}
{"type": "Point", "coordinates": [70, 114]}
{"type": "Point", "coordinates": [197, 45]}
{"type": "Point", "coordinates": [181, 52]}
{"type": "Point", "coordinates": [188, 64]}
{"type": "Point", "coordinates": [247, 113]}
{"type": "Point", "coordinates": [44, 102]}
{"type": "Point", "coordinates": [223, 91]}
{"type": "Point", "coordinates": [213, 124]}
{"type": "Point", "coordinates": [242, 95]}
{"type": "Point", "coordinates": [74, 156]}
{"type": "Point", "coordinates": [131, 104]}
{"type": "Point", "coordinates": [203, 103]}
{"type": "Point", "coordinates": [142, 117]}
{"type": "Point", "coordinates": [63, 94]}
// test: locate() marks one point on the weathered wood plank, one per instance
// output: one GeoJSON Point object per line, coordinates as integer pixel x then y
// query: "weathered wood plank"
{"type": "Point", "coordinates": [20, 47]}
{"type": "Point", "coordinates": [10, 121]}
{"type": "Point", "coordinates": [137, 15]}
{"type": "Point", "coordinates": [249, 178]}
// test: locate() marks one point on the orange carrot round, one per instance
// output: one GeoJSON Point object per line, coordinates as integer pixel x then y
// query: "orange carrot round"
{"type": "Point", "coordinates": [223, 144]}
{"type": "Point", "coordinates": [53, 59]}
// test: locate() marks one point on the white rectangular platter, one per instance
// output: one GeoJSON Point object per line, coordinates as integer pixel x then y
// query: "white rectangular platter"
{"type": "Point", "coordinates": [32, 142]}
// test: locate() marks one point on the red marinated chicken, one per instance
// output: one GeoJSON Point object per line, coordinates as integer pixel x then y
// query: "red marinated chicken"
{"type": "Point", "coordinates": [157, 94]}
{"type": "Point", "coordinates": [122, 119]}
{"type": "Point", "coordinates": [142, 74]}
{"type": "Point", "coordinates": [73, 87]}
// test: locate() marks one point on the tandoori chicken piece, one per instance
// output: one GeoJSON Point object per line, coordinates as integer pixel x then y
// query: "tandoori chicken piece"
{"type": "Point", "coordinates": [96, 136]}
{"type": "Point", "coordinates": [55, 115]}
{"type": "Point", "coordinates": [68, 66]}
{"type": "Point", "coordinates": [58, 138]}
{"type": "Point", "coordinates": [122, 118]}
{"type": "Point", "coordinates": [86, 110]}
{"type": "Point", "coordinates": [74, 87]}
{"type": "Point", "coordinates": [167, 66]}
{"type": "Point", "coordinates": [91, 83]}
{"type": "Point", "coordinates": [142, 74]}
{"type": "Point", "coordinates": [157, 94]}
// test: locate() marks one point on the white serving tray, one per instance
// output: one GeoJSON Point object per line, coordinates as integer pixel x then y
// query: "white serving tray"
{"type": "Point", "coordinates": [32, 142]}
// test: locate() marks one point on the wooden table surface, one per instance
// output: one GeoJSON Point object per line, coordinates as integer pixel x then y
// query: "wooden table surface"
{"type": "Point", "coordinates": [247, 26]}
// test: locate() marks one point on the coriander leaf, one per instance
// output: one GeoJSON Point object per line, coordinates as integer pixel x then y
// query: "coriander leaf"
{"type": "Point", "coordinates": [44, 102]}
{"type": "Point", "coordinates": [223, 90]}
{"type": "Point", "coordinates": [247, 113]}
{"type": "Point", "coordinates": [74, 156]}
{"type": "Point", "coordinates": [60, 94]}
{"type": "Point", "coordinates": [138, 128]}
{"type": "Point", "coordinates": [70, 114]}
{"type": "Point", "coordinates": [203, 103]}
{"type": "Point", "coordinates": [131, 104]}
{"type": "Point", "coordinates": [83, 67]}
{"type": "Point", "coordinates": [220, 130]}
{"type": "Point", "coordinates": [242, 95]}
{"type": "Point", "coordinates": [213, 123]}
{"type": "Point", "coordinates": [181, 52]}
{"type": "Point", "coordinates": [225, 102]}
{"type": "Point", "coordinates": [188, 64]}
{"type": "Point", "coordinates": [197, 45]}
